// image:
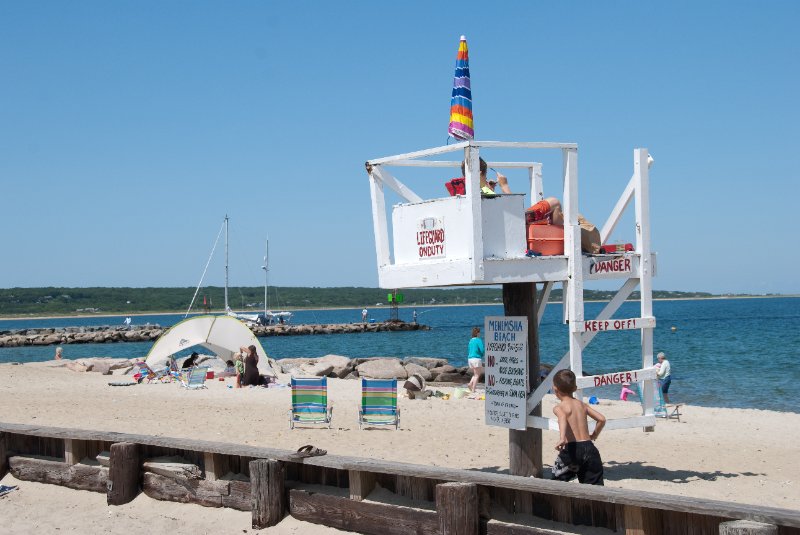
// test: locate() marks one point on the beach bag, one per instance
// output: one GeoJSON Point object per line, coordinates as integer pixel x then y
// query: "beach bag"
{"type": "Point", "coordinates": [456, 187]}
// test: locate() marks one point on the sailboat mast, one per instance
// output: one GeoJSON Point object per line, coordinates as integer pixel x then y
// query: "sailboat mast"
{"type": "Point", "coordinates": [266, 279]}
{"type": "Point", "coordinates": [226, 263]}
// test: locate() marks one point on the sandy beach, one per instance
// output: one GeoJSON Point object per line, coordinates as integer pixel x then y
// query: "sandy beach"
{"type": "Point", "coordinates": [715, 453]}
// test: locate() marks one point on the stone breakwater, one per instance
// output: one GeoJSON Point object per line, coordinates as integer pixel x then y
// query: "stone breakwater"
{"type": "Point", "coordinates": [146, 333]}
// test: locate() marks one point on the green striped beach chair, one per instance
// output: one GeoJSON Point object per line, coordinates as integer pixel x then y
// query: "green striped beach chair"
{"type": "Point", "coordinates": [378, 403]}
{"type": "Point", "coordinates": [310, 402]}
{"type": "Point", "coordinates": [194, 379]}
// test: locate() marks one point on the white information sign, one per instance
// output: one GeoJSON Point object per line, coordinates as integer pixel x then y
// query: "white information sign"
{"type": "Point", "coordinates": [506, 371]}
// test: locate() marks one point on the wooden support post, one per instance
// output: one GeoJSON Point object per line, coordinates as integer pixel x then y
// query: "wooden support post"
{"type": "Point", "coordinates": [123, 473]}
{"type": "Point", "coordinates": [457, 507]}
{"type": "Point", "coordinates": [747, 527]}
{"type": "Point", "coordinates": [361, 484]}
{"type": "Point", "coordinates": [3, 455]}
{"type": "Point", "coordinates": [216, 466]}
{"type": "Point", "coordinates": [74, 450]}
{"type": "Point", "coordinates": [525, 447]}
{"type": "Point", "coordinates": [268, 494]}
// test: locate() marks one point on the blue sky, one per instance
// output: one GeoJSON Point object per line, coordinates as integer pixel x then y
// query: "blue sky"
{"type": "Point", "coordinates": [129, 129]}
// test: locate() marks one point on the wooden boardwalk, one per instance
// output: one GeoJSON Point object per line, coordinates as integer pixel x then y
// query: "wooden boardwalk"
{"type": "Point", "coordinates": [271, 483]}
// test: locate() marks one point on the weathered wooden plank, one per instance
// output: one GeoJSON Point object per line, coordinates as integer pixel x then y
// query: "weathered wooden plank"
{"type": "Point", "coordinates": [3, 456]}
{"type": "Point", "coordinates": [57, 472]}
{"type": "Point", "coordinates": [207, 493]}
{"type": "Point", "coordinates": [457, 507]}
{"type": "Point", "coordinates": [747, 527]}
{"type": "Point", "coordinates": [640, 521]}
{"type": "Point", "coordinates": [495, 527]}
{"type": "Point", "coordinates": [416, 488]}
{"type": "Point", "coordinates": [268, 492]}
{"type": "Point", "coordinates": [175, 467]}
{"type": "Point", "coordinates": [123, 473]}
{"type": "Point", "coordinates": [361, 517]}
{"type": "Point", "coordinates": [361, 484]}
{"type": "Point", "coordinates": [386, 470]}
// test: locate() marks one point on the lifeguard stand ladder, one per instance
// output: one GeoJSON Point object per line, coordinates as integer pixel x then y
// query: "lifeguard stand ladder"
{"type": "Point", "coordinates": [481, 240]}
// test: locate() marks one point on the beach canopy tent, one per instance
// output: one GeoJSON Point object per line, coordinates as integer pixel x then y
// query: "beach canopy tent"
{"type": "Point", "coordinates": [222, 335]}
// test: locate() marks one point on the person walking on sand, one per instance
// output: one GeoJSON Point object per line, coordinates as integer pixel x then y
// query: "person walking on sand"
{"type": "Point", "coordinates": [475, 357]}
{"type": "Point", "coordinates": [59, 353]}
{"type": "Point", "coordinates": [577, 455]}
{"type": "Point", "coordinates": [664, 375]}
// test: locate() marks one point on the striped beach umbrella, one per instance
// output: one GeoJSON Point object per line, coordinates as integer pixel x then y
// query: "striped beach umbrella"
{"type": "Point", "coordinates": [461, 125]}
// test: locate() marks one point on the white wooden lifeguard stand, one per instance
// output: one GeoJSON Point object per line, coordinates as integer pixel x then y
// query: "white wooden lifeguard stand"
{"type": "Point", "coordinates": [481, 240]}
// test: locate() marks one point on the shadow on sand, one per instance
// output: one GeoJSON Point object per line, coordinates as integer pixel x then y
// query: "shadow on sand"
{"type": "Point", "coordinates": [615, 471]}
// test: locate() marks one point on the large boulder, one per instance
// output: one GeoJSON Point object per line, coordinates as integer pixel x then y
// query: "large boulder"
{"type": "Point", "coordinates": [287, 365]}
{"type": "Point", "coordinates": [422, 371]}
{"type": "Point", "coordinates": [453, 377]}
{"type": "Point", "coordinates": [312, 369]}
{"type": "Point", "coordinates": [387, 368]}
{"type": "Point", "coordinates": [342, 366]}
{"type": "Point", "coordinates": [426, 362]}
{"type": "Point", "coordinates": [443, 369]}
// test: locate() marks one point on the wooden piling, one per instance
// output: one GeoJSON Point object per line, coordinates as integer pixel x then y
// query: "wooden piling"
{"type": "Point", "coordinates": [457, 507]}
{"type": "Point", "coordinates": [268, 493]}
{"type": "Point", "coordinates": [123, 473]}
{"type": "Point", "coordinates": [525, 447]}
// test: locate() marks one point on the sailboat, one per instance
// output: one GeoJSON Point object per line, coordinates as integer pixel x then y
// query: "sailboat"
{"type": "Point", "coordinates": [268, 317]}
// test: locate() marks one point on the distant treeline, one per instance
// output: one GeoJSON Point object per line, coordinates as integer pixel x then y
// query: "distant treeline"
{"type": "Point", "coordinates": [46, 301]}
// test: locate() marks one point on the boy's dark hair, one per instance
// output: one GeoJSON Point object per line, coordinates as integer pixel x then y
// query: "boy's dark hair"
{"type": "Point", "coordinates": [484, 167]}
{"type": "Point", "coordinates": [229, 363]}
{"type": "Point", "coordinates": [564, 380]}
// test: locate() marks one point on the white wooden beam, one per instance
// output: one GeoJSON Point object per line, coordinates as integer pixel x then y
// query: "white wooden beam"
{"type": "Point", "coordinates": [616, 213]}
{"type": "Point", "coordinates": [398, 187]}
{"type": "Point", "coordinates": [447, 163]}
{"type": "Point", "coordinates": [642, 196]}
{"type": "Point", "coordinates": [379, 224]}
{"type": "Point", "coordinates": [473, 189]}
{"type": "Point", "coordinates": [523, 145]}
{"type": "Point", "coordinates": [420, 153]}
{"type": "Point", "coordinates": [543, 298]}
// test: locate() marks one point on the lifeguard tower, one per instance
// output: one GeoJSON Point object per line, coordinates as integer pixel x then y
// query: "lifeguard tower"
{"type": "Point", "coordinates": [474, 239]}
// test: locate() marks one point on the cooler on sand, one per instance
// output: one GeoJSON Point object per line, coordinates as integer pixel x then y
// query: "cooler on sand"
{"type": "Point", "coordinates": [547, 240]}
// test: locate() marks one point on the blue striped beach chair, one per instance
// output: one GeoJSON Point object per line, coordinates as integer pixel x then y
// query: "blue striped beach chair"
{"type": "Point", "coordinates": [310, 402]}
{"type": "Point", "coordinates": [378, 403]}
{"type": "Point", "coordinates": [194, 379]}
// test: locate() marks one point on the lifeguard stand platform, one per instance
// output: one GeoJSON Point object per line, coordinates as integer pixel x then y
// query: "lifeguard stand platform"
{"type": "Point", "coordinates": [474, 239]}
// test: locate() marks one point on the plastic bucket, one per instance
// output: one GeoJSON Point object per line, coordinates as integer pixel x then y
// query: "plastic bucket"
{"type": "Point", "coordinates": [210, 374]}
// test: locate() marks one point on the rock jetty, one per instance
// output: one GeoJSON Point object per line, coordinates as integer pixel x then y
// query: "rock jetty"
{"type": "Point", "coordinates": [146, 333]}
{"type": "Point", "coordinates": [335, 366]}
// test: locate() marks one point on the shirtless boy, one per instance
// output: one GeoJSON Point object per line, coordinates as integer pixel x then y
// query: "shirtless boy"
{"type": "Point", "coordinates": [577, 454]}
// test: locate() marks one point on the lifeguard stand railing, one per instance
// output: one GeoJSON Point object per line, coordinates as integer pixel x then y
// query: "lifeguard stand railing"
{"type": "Point", "coordinates": [474, 239]}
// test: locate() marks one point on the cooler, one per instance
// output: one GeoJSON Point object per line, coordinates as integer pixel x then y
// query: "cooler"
{"type": "Point", "coordinates": [547, 240]}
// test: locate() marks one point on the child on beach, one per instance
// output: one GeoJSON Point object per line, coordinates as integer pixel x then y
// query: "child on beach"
{"type": "Point", "coordinates": [577, 453]}
{"type": "Point", "coordinates": [238, 363]}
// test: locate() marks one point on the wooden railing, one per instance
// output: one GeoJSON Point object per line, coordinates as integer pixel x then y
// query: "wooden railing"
{"type": "Point", "coordinates": [271, 484]}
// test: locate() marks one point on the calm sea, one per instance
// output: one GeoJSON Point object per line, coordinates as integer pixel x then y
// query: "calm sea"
{"type": "Point", "coordinates": [724, 352]}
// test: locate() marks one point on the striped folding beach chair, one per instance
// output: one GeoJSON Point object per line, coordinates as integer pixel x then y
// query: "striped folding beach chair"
{"type": "Point", "coordinates": [379, 403]}
{"type": "Point", "coordinates": [310, 401]}
{"type": "Point", "coordinates": [194, 379]}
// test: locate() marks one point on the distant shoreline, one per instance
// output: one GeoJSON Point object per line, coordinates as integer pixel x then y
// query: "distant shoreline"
{"type": "Point", "coordinates": [172, 313]}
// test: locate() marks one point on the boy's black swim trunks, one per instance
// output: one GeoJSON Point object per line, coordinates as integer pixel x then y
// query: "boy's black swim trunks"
{"type": "Point", "coordinates": [579, 459]}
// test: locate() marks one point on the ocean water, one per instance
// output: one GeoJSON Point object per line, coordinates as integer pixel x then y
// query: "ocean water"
{"type": "Point", "coordinates": [724, 352]}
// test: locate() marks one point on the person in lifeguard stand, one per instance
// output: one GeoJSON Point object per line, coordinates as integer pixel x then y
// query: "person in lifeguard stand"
{"type": "Point", "coordinates": [487, 186]}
